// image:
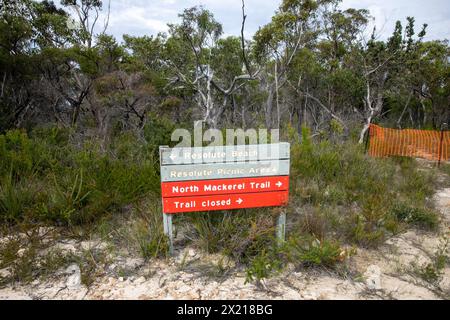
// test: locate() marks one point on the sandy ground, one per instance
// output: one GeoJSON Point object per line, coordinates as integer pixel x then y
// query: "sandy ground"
{"type": "Point", "coordinates": [385, 273]}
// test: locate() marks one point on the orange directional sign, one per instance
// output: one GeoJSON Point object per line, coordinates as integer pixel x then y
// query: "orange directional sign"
{"type": "Point", "coordinates": [224, 178]}
{"type": "Point", "coordinates": [224, 186]}
{"type": "Point", "coordinates": [225, 202]}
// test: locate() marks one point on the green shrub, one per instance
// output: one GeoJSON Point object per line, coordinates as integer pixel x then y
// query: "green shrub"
{"type": "Point", "coordinates": [17, 156]}
{"type": "Point", "coordinates": [149, 234]}
{"type": "Point", "coordinates": [363, 232]}
{"type": "Point", "coordinates": [76, 184]}
{"type": "Point", "coordinates": [416, 186]}
{"type": "Point", "coordinates": [309, 251]}
{"type": "Point", "coordinates": [158, 131]}
{"type": "Point", "coordinates": [52, 135]}
{"type": "Point", "coordinates": [65, 204]}
{"type": "Point", "coordinates": [262, 266]}
{"type": "Point", "coordinates": [434, 271]}
{"type": "Point", "coordinates": [423, 218]}
{"type": "Point", "coordinates": [241, 235]}
{"type": "Point", "coordinates": [15, 199]}
{"type": "Point", "coordinates": [25, 258]}
{"type": "Point", "coordinates": [341, 177]}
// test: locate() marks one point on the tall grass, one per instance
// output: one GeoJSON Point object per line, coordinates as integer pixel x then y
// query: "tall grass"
{"type": "Point", "coordinates": [358, 195]}
{"type": "Point", "coordinates": [339, 197]}
{"type": "Point", "coordinates": [46, 177]}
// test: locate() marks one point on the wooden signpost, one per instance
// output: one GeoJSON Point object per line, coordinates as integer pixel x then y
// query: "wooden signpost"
{"type": "Point", "coordinates": [224, 178]}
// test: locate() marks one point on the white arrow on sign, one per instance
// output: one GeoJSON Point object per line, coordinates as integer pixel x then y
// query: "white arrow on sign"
{"type": "Point", "coordinates": [239, 201]}
{"type": "Point", "coordinates": [172, 156]}
{"type": "Point", "coordinates": [278, 184]}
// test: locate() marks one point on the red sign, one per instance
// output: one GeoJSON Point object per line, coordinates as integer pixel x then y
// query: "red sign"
{"type": "Point", "coordinates": [225, 202]}
{"type": "Point", "coordinates": [224, 186]}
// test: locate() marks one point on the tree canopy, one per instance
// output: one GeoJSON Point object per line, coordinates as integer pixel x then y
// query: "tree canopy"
{"type": "Point", "coordinates": [311, 65]}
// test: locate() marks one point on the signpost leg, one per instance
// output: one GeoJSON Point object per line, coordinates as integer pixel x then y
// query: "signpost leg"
{"type": "Point", "coordinates": [167, 218]}
{"type": "Point", "coordinates": [281, 227]}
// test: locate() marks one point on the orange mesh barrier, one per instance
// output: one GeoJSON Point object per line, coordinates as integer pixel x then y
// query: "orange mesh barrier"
{"type": "Point", "coordinates": [409, 143]}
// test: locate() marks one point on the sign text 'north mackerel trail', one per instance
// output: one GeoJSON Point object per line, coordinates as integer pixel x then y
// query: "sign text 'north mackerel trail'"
{"type": "Point", "coordinates": [221, 186]}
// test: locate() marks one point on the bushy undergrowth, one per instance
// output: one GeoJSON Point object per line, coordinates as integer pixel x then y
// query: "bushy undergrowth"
{"type": "Point", "coordinates": [357, 198]}
{"type": "Point", "coordinates": [27, 258]}
{"type": "Point", "coordinates": [309, 251]}
{"type": "Point", "coordinates": [148, 233]}
{"type": "Point", "coordinates": [445, 168]}
{"type": "Point", "coordinates": [423, 218]}
{"type": "Point", "coordinates": [339, 198]}
{"type": "Point", "coordinates": [46, 177]}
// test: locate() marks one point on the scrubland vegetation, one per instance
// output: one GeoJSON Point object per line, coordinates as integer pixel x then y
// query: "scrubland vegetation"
{"type": "Point", "coordinates": [82, 115]}
{"type": "Point", "coordinates": [340, 199]}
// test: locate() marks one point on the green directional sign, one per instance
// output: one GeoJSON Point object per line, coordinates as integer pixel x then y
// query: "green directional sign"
{"type": "Point", "coordinates": [225, 170]}
{"type": "Point", "coordinates": [220, 154]}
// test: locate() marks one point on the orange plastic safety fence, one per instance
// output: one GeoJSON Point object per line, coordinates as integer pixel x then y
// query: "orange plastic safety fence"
{"type": "Point", "coordinates": [427, 144]}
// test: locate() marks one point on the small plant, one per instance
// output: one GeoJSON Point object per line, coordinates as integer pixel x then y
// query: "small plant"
{"type": "Point", "coordinates": [17, 156]}
{"type": "Point", "coordinates": [309, 251]}
{"type": "Point", "coordinates": [26, 258]}
{"type": "Point", "coordinates": [91, 263]}
{"type": "Point", "coordinates": [64, 205]}
{"type": "Point", "coordinates": [157, 131]}
{"type": "Point", "coordinates": [445, 168]}
{"type": "Point", "coordinates": [262, 266]}
{"type": "Point", "coordinates": [368, 227]}
{"type": "Point", "coordinates": [433, 272]}
{"type": "Point", "coordinates": [239, 235]}
{"type": "Point", "coordinates": [149, 235]}
{"type": "Point", "coordinates": [151, 244]}
{"type": "Point", "coordinates": [417, 186]}
{"type": "Point", "coordinates": [14, 200]}
{"type": "Point", "coordinates": [208, 228]}
{"type": "Point", "coordinates": [52, 261]}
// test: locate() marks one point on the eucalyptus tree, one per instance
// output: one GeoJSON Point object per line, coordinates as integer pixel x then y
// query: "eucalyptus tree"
{"type": "Point", "coordinates": [199, 69]}
{"type": "Point", "coordinates": [321, 75]}
{"type": "Point", "coordinates": [387, 70]}
{"type": "Point", "coordinates": [293, 34]}
{"type": "Point", "coordinates": [374, 66]}
{"type": "Point", "coordinates": [27, 28]}
{"type": "Point", "coordinates": [433, 81]}
{"type": "Point", "coordinates": [342, 31]}
{"type": "Point", "coordinates": [87, 14]}
{"type": "Point", "coordinates": [420, 82]}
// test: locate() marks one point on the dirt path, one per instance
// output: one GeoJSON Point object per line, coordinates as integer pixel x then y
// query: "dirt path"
{"type": "Point", "coordinates": [394, 271]}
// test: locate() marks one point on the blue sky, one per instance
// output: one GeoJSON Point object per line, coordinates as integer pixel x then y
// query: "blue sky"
{"type": "Point", "coordinates": [140, 17]}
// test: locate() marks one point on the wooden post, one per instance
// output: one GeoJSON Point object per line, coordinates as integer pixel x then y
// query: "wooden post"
{"type": "Point", "coordinates": [441, 142]}
{"type": "Point", "coordinates": [167, 218]}
{"type": "Point", "coordinates": [168, 230]}
{"type": "Point", "coordinates": [281, 228]}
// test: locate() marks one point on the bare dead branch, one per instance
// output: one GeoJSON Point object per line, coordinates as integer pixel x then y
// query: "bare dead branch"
{"type": "Point", "coordinates": [107, 18]}
{"type": "Point", "coordinates": [244, 55]}
{"type": "Point", "coordinates": [307, 94]}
